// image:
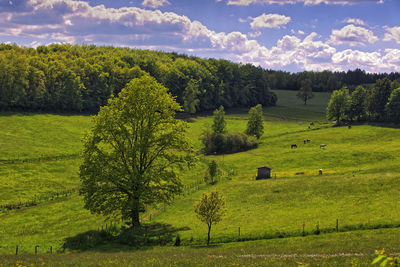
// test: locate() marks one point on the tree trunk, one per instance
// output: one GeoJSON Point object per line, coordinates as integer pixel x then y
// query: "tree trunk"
{"type": "Point", "coordinates": [208, 236]}
{"type": "Point", "coordinates": [135, 218]}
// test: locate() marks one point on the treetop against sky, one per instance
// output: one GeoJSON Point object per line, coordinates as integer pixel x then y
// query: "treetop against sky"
{"type": "Point", "coordinates": [292, 35]}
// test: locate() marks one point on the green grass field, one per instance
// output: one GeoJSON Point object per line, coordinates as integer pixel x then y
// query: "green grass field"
{"type": "Point", "coordinates": [39, 163]}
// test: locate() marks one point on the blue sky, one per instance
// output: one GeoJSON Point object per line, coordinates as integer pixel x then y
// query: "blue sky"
{"type": "Point", "coordinates": [291, 35]}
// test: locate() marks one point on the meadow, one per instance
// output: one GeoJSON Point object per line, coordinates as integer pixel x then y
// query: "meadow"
{"type": "Point", "coordinates": [39, 163]}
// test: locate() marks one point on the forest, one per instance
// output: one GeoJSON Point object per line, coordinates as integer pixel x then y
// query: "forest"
{"type": "Point", "coordinates": [80, 78]}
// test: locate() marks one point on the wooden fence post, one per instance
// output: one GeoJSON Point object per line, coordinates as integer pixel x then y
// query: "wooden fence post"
{"type": "Point", "coordinates": [36, 247]}
{"type": "Point", "coordinates": [16, 250]}
{"type": "Point", "coordinates": [239, 230]}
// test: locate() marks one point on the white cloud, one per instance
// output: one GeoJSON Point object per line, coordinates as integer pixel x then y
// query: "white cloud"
{"type": "Point", "coordinates": [392, 34]}
{"type": "Point", "coordinates": [300, 32]}
{"type": "Point", "coordinates": [354, 21]}
{"type": "Point", "coordinates": [242, 20]}
{"type": "Point", "coordinates": [254, 34]}
{"type": "Point", "coordinates": [269, 21]}
{"type": "Point", "coordinates": [306, 2]}
{"type": "Point", "coordinates": [154, 3]}
{"type": "Point", "coordinates": [353, 36]}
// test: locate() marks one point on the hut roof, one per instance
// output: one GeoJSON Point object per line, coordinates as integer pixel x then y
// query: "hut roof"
{"type": "Point", "coordinates": [264, 167]}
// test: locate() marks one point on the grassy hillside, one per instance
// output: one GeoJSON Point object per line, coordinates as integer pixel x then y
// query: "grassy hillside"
{"type": "Point", "coordinates": [359, 187]}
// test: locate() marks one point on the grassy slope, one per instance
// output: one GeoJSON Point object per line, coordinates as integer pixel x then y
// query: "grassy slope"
{"type": "Point", "coordinates": [359, 185]}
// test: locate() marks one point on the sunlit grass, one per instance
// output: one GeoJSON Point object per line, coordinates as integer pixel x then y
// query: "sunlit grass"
{"type": "Point", "coordinates": [359, 185]}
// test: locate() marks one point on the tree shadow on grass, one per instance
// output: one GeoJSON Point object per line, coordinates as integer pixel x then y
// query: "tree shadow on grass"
{"type": "Point", "coordinates": [124, 239]}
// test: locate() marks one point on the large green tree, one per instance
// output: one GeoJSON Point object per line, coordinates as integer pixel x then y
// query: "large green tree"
{"type": "Point", "coordinates": [255, 124]}
{"type": "Point", "coordinates": [131, 155]}
{"type": "Point", "coordinates": [357, 104]}
{"type": "Point", "coordinates": [378, 97]}
{"type": "Point", "coordinates": [339, 105]}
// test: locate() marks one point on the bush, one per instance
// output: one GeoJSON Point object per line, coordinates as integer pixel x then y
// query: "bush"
{"type": "Point", "coordinates": [227, 143]}
{"type": "Point", "coordinates": [177, 241]}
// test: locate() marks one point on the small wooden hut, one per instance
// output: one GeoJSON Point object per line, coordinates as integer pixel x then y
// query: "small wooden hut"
{"type": "Point", "coordinates": [263, 172]}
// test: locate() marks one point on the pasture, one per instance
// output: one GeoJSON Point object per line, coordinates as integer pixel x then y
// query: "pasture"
{"type": "Point", "coordinates": [39, 163]}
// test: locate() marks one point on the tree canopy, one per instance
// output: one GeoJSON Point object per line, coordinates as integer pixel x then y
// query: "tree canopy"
{"type": "Point", "coordinates": [80, 78]}
{"type": "Point", "coordinates": [131, 155]}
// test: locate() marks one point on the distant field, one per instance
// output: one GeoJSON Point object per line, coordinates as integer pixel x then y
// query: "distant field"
{"type": "Point", "coordinates": [289, 106]}
{"type": "Point", "coordinates": [39, 162]}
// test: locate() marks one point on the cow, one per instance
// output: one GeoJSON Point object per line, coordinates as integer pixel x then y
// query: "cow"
{"type": "Point", "coordinates": [293, 146]}
{"type": "Point", "coordinates": [308, 140]}
{"type": "Point", "coordinates": [322, 146]}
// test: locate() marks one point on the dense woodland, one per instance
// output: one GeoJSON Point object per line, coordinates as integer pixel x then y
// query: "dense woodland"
{"type": "Point", "coordinates": [326, 81]}
{"type": "Point", "coordinates": [77, 78]}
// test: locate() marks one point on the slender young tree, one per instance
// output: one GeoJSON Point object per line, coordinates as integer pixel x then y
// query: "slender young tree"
{"type": "Point", "coordinates": [219, 121]}
{"type": "Point", "coordinates": [131, 155]}
{"type": "Point", "coordinates": [255, 124]}
{"type": "Point", "coordinates": [210, 210]}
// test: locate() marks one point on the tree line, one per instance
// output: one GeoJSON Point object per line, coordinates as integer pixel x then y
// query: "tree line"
{"type": "Point", "coordinates": [379, 103]}
{"type": "Point", "coordinates": [81, 78]}
{"type": "Point", "coordinates": [326, 81]}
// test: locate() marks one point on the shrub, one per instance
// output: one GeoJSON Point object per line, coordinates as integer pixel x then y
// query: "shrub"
{"type": "Point", "coordinates": [177, 241]}
{"type": "Point", "coordinates": [227, 143]}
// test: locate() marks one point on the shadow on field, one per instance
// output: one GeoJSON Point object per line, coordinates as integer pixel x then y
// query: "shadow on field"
{"type": "Point", "coordinates": [145, 236]}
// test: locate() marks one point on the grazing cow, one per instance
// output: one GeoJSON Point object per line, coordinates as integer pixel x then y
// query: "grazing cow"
{"type": "Point", "coordinates": [309, 127]}
{"type": "Point", "coordinates": [320, 171]}
{"type": "Point", "coordinates": [308, 140]}
{"type": "Point", "coordinates": [322, 146]}
{"type": "Point", "coordinates": [349, 126]}
{"type": "Point", "coordinates": [305, 141]}
{"type": "Point", "coordinates": [293, 146]}
{"type": "Point", "coordinates": [311, 123]}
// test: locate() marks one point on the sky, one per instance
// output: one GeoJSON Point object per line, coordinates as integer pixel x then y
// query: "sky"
{"type": "Point", "coordinates": [289, 35]}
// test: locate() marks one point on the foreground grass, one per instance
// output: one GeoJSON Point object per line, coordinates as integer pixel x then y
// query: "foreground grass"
{"type": "Point", "coordinates": [337, 249]}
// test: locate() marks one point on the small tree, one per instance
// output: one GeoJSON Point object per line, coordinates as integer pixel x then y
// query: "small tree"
{"type": "Point", "coordinates": [393, 105]}
{"type": "Point", "coordinates": [305, 91]}
{"type": "Point", "coordinates": [210, 210]}
{"type": "Point", "coordinates": [255, 126]}
{"type": "Point", "coordinates": [219, 121]}
{"type": "Point", "coordinates": [212, 171]}
{"type": "Point", "coordinates": [338, 106]}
